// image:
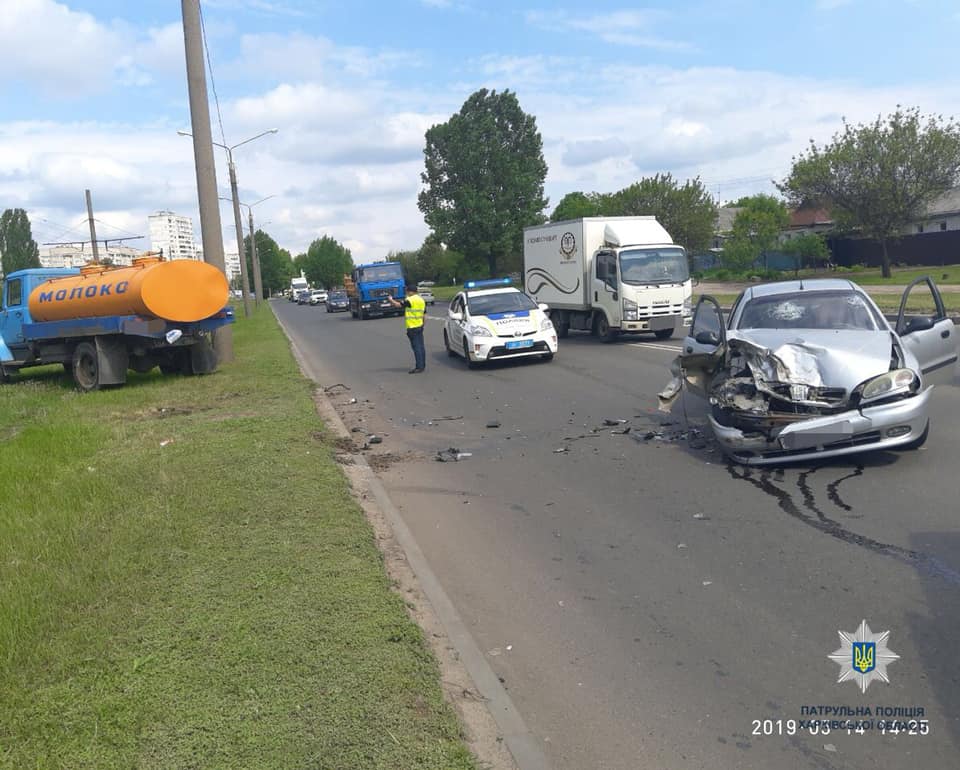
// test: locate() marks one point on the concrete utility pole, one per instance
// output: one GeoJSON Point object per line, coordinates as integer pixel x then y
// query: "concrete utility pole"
{"type": "Point", "coordinates": [257, 280]}
{"type": "Point", "coordinates": [210, 227]}
{"type": "Point", "coordinates": [238, 223]}
{"type": "Point", "coordinates": [93, 229]}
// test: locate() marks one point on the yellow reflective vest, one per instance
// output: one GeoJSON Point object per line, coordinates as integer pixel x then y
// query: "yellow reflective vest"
{"type": "Point", "coordinates": [415, 313]}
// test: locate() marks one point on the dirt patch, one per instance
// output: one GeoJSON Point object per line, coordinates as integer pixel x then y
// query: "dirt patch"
{"type": "Point", "coordinates": [381, 461]}
{"type": "Point", "coordinates": [7, 434]}
{"type": "Point", "coordinates": [344, 459]}
{"type": "Point", "coordinates": [342, 444]}
{"type": "Point", "coordinates": [163, 412]}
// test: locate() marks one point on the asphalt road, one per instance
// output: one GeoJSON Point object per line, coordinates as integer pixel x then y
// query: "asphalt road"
{"type": "Point", "coordinates": [643, 601]}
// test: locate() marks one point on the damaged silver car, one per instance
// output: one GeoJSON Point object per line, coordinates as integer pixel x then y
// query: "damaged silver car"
{"type": "Point", "coordinates": [812, 369]}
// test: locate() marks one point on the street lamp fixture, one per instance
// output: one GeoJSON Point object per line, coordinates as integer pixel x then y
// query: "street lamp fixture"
{"type": "Point", "coordinates": [238, 223]}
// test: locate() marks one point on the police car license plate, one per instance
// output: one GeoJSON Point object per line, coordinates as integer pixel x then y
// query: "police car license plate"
{"type": "Point", "coordinates": [514, 344]}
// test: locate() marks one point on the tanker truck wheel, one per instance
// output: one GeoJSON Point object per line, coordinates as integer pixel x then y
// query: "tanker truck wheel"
{"type": "Point", "coordinates": [86, 367]}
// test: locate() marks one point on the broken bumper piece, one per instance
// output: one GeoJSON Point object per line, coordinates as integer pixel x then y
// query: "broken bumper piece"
{"type": "Point", "coordinates": [878, 427]}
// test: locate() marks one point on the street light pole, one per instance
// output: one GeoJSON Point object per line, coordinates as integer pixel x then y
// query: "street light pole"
{"type": "Point", "coordinates": [238, 222]}
{"type": "Point", "coordinates": [203, 158]}
{"type": "Point", "coordinates": [254, 256]}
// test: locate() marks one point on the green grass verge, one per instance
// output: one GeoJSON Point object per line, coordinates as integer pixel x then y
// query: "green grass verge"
{"type": "Point", "coordinates": [217, 602]}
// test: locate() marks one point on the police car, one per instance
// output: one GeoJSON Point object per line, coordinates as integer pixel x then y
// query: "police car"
{"type": "Point", "coordinates": [493, 320]}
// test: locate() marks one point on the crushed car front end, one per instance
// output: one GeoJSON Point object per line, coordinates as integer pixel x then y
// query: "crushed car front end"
{"type": "Point", "coordinates": [818, 394]}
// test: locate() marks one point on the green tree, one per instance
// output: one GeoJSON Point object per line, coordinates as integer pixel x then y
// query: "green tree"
{"type": "Point", "coordinates": [577, 204]}
{"type": "Point", "coordinates": [18, 250]}
{"type": "Point", "coordinates": [276, 266]}
{"type": "Point", "coordinates": [484, 179]}
{"type": "Point", "coordinates": [756, 229]}
{"type": "Point", "coordinates": [879, 177]}
{"type": "Point", "coordinates": [439, 263]}
{"type": "Point", "coordinates": [807, 250]}
{"type": "Point", "coordinates": [326, 262]}
{"type": "Point", "coordinates": [687, 212]}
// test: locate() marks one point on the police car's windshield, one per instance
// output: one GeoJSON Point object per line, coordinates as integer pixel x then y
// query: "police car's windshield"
{"type": "Point", "coordinates": [501, 302]}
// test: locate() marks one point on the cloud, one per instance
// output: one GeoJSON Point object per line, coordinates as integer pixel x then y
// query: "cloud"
{"type": "Point", "coordinates": [71, 54]}
{"type": "Point", "coordinates": [629, 28]}
{"type": "Point", "coordinates": [587, 152]}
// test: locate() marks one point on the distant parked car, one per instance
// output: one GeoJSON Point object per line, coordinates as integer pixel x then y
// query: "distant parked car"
{"type": "Point", "coordinates": [337, 301]}
{"type": "Point", "coordinates": [427, 295]}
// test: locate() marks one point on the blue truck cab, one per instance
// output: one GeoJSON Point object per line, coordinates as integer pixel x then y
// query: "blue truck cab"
{"type": "Point", "coordinates": [98, 350]}
{"type": "Point", "coordinates": [370, 287]}
{"type": "Point", "coordinates": [15, 313]}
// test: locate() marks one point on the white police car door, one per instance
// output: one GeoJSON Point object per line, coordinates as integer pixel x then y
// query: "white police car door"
{"type": "Point", "coordinates": [455, 322]}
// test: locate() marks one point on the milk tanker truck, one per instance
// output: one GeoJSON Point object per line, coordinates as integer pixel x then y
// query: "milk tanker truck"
{"type": "Point", "coordinates": [99, 321]}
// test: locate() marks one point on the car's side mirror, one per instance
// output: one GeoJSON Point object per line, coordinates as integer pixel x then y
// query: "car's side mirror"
{"type": "Point", "coordinates": [707, 338]}
{"type": "Point", "coordinates": [920, 324]}
{"type": "Point", "coordinates": [456, 315]}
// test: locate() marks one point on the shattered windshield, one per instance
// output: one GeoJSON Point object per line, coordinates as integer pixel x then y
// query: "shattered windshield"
{"type": "Point", "coordinates": [810, 310]}
{"type": "Point", "coordinates": [502, 302]}
{"type": "Point", "coordinates": [645, 266]}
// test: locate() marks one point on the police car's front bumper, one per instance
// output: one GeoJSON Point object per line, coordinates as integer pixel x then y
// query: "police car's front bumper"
{"type": "Point", "coordinates": [497, 348]}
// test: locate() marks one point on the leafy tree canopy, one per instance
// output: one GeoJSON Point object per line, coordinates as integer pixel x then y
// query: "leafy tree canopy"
{"type": "Point", "coordinates": [326, 262]}
{"type": "Point", "coordinates": [687, 211]}
{"type": "Point", "coordinates": [756, 229]}
{"type": "Point", "coordinates": [807, 250]}
{"type": "Point", "coordinates": [879, 177]}
{"type": "Point", "coordinates": [576, 205]}
{"type": "Point", "coordinates": [18, 250]}
{"type": "Point", "coordinates": [276, 267]}
{"type": "Point", "coordinates": [484, 174]}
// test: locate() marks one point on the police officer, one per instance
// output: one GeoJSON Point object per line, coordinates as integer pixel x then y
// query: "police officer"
{"type": "Point", "coordinates": [415, 310]}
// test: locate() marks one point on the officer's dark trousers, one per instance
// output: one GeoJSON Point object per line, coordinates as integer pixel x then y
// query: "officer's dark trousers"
{"type": "Point", "coordinates": [419, 351]}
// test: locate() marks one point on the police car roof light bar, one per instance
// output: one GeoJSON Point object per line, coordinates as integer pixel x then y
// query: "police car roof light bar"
{"type": "Point", "coordinates": [487, 283]}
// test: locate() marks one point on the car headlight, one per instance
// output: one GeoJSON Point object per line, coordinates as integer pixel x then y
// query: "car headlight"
{"type": "Point", "coordinates": [688, 306]}
{"type": "Point", "coordinates": [479, 331]}
{"type": "Point", "coordinates": [630, 310]}
{"type": "Point", "coordinates": [890, 383]}
{"type": "Point", "coordinates": [546, 324]}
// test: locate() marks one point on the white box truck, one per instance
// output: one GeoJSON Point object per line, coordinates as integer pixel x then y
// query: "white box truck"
{"type": "Point", "coordinates": [608, 276]}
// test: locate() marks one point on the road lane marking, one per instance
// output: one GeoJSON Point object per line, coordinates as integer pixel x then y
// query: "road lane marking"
{"type": "Point", "coordinates": [671, 348]}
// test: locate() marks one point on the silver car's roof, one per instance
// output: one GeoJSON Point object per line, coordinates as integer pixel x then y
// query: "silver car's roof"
{"type": "Point", "coordinates": [810, 284]}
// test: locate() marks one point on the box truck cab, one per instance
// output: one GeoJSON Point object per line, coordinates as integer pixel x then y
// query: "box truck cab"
{"type": "Point", "coordinates": [609, 276]}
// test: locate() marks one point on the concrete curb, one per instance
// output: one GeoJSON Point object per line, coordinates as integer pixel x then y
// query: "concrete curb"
{"type": "Point", "coordinates": [526, 750]}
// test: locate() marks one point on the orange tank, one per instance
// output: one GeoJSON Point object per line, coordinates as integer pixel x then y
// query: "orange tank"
{"type": "Point", "coordinates": [182, 291]}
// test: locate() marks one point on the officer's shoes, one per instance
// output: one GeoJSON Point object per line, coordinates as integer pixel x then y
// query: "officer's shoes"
{"type": "Point", "coordinates": [415, 371]}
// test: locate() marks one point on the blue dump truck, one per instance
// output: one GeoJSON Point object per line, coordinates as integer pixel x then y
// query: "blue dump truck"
{"type": "Point", "coordinates": [369, 286]}
{"type": "Point", "coordinates": [99, 322]}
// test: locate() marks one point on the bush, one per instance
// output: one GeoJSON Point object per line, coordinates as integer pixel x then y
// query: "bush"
{"type": "Point", "coordinates": [857, 269]}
